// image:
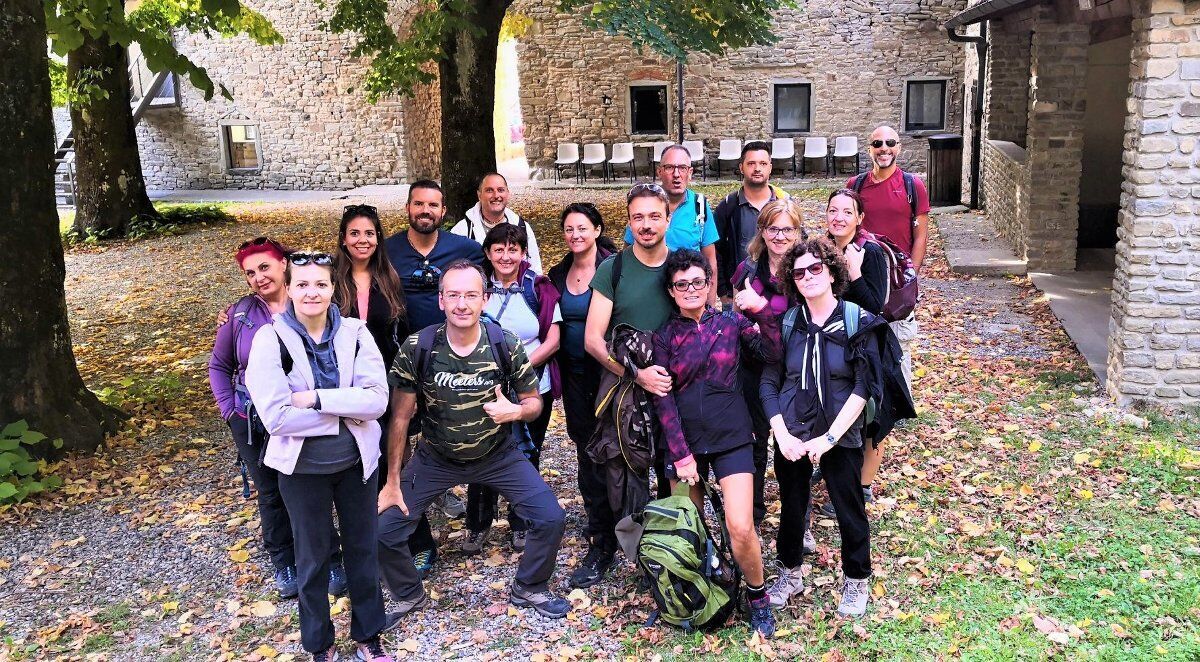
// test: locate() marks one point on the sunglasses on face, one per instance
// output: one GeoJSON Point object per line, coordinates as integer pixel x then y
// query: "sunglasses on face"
{"type": "Point", "coordinates": [644, 186]}
{"type": "Point", "coordinates": [425, 278]}
{"type": "Point", "coordinates": [302, 258]}
{"type": "Point", "coordinates": [815, 269]}
{"type": "Point", "coordinates": [880, 143]}
{"type": "Point", "coordinates": [697, 284]}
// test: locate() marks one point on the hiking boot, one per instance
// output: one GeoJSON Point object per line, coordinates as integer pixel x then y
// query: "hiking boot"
{"type": "Point", "coordinates": [372, 651]}
{"type": "Point", "coordinates": [827, 510]}
{"type": "Point", "coordinates": [789, 583]}
{"type": "Point", "coordinates": [762, 619]}
{"type": "Point", "coordinates": [337, 579]}
{"type": "Point", "coordinates": [518, 540]}
{"type": "Point", "coordinates": [474, 541]}
{"type": "Point", "coordinates": [404, 608]}
{"type": "Point", "coordinates": [810, 544]}
{"type": "Point", "coordinates": [854, 598]}
{"type": "Point", "coordinates": [423, 561]}
{"type": "Point", "coordinates": [452, 506]}
{"type": "Point", "coordinates": [285, 582]}
{"type": "Point", "coordinates": [543, 602]}
{"type": "Point", "coordinates": [868, 495]}
{"type": "Point", "coordinates": [591, 570]}
{"type": "Point", "coordinates": [329, 655]}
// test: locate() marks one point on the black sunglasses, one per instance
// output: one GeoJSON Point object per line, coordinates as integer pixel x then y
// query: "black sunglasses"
{"type": "Point", "coordinates": [425, 278]}
{"type": "Point", "coordinates": [814, 269]}
{"type": "Point", "coordinates": [259, 241]}
{"type": "Point", "coordinates": [361, 209]}
{"type": "Point", "coordinates": [880, 143]}
{"type": "Point", "coordinates": [302, 258]}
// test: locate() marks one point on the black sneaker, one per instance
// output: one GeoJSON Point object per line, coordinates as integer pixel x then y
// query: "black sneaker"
{"type": "Point", "coordinates": [591, 570]}
{"type": "Point", "coordinates": [543, 602]}
{"type": "Point", "coordinates": [285, 582]}
{"type": "Point", "coordinates": [328, 655]}
{"type": "Point", "coordinates": [337, 579]}
{"type": "Point", "coordinates": [762, 619]}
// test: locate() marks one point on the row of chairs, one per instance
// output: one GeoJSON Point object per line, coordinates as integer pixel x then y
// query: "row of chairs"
{"type": "Point", "coordinates": [782, 149]}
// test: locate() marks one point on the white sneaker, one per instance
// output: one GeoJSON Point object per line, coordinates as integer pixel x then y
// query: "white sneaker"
{"type": "Point", "coordinates": [789, 583]}
{"type": "Point", "coordinates": [810, 543]}
{"type": "Point", "coordinates": [854, 597]}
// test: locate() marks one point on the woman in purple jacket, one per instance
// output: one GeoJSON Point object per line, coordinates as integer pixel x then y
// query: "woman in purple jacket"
{"type": "Point", "coordinates": [263, 261]}
{"type": "Point", "coordinates": [319, 384]}
{"type": "Point", "coordinates": [704, 418]}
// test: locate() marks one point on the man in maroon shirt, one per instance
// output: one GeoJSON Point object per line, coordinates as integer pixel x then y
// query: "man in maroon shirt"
{"type": "Point", "coordinates": [890, 209]}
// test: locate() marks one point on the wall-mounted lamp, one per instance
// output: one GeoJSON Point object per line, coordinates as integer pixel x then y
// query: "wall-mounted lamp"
{"type": "Point", "coordinates": [605, 100]}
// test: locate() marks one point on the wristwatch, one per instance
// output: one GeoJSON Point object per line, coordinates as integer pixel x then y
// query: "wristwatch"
{"type": "Point", "coordinates": [829, 438]}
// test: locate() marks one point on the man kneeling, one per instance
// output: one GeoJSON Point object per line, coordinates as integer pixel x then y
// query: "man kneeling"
{"type": "Point", "coordinates": [462, 373]}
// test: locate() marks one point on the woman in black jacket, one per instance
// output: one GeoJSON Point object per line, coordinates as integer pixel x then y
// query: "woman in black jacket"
{"type": "Point", "coordinates": [814, 399]}
{"type": "Point", "coordinates": [583, 230]}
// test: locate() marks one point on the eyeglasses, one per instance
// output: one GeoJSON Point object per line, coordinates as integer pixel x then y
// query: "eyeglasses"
{"type": "Point", "coordinates": [774, 232]}
{"type": "Point", "coordinates": [425, 278]}
{"type": "Point", "coordinates": [638, 189]}
{"type": "Point", "coordinates": [367, 210]}
{"type": "Point", "coordinates": [300, 259]}
{"type": "Point", "coordinates": [815, 269]}
{"type": "Point", "coordinates": [880, 143]}
{"type": "Point", "coordinates": [697, 284]}
{"type": "Point", "coordinates": [259, 241]}
{"type": "Point", "coordinates": [674, 168]}
{"type": "Point", "coordinates": [469, 297]}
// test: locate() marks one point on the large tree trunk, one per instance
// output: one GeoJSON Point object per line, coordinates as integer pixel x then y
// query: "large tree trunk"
{"type": "Point", "coordinates": [38, 379]}
{"type": "Point", "coordinates": [468, 80]}
{"type": "Point", "coordinates": [111, 188]}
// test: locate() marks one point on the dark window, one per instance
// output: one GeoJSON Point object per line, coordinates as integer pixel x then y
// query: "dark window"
{"type": "Point", "coordinates": [925, 105]}
{"type": "Point", "coordinates": [793, 105]}
{"type": "Point", "coordinates": [648, 108]}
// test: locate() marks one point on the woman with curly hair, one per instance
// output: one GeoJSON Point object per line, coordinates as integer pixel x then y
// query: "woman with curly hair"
{"type": "Point", "coordinates": [815, 400]}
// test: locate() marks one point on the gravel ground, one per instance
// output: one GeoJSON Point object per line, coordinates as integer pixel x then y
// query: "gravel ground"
{"type": "Point", "coordinates": [134, 559]}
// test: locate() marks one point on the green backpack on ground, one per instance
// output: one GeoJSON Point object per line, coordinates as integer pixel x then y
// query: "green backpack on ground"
{"type": "Point", "coordinates": [692, 578]}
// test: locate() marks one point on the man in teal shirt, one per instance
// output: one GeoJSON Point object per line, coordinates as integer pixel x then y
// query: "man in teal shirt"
{"type": "Point", "coordinates": [692, 225]}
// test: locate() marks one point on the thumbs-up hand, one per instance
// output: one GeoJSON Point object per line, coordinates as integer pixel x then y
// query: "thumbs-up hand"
{"type": "Point", "coordinates": [747, 299]}
{"type": "Point", "coordinates": [854, 255]}
{"type": "Point", "coordinates": [502, 410]}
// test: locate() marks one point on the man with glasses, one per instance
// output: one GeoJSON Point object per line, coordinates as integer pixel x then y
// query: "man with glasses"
{"type": "Point", "coordinates": [492, 210]}
{"type": "Point", "coordinates": [692, 225]}
{"type": "Point", "coordinates": [737, 215]}
{"type": "Point", "coordinates": [419, 255]}
{"type": "Point", "coordinates": [464, 372]}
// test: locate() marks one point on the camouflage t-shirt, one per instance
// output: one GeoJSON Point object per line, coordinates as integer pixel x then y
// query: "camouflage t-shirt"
{"type": "Point", "coordinates": [456, 390]}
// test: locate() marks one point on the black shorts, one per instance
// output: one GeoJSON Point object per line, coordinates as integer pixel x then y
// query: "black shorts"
{"type": "Point", "coordinates": [738, 460]}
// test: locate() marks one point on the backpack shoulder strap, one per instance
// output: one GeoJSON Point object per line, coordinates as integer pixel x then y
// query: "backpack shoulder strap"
{"type": "Point", "coordinates": [859, 180]}
{"type": "Point", "coordinates": [616, 271]}
{"type": "Point", "coordinates": [529, 291]}
{"type": "Point", "coordinates": [285, 357]}
{"type": "Point", "coordinates": [701, 213]}
{"type": "Point", "coordinates": [910, 189]}
{"type": "Point", "coordinates": [851, 317]}
{"type": "Point", "coordinates": [424, 351]}
{"type": "Point", "coordinates": [788, 325]}
{"type": "Point", "coordinates": [499, 347]}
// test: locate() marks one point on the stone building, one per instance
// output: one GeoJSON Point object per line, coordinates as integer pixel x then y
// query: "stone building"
{"type": "Point", "coordinates": [1088, 147]}
{"type": "Point", "coordinates": [299, 120]}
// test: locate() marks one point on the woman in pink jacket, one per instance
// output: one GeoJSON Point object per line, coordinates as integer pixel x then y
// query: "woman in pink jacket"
{"type": "Point", "coordinates": [318, 382]}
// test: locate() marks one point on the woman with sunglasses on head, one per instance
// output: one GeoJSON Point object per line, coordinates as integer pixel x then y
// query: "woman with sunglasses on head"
{"type": "Point", "coordinates": [704, 419]}
{"type": "Point", "coordinates": [815, 398]}
{"type": "Point", "coordinates": [319, 383]}
{"type": "Point", "coordinates": [263, 262]}
{"type": "Point", "coordinates": [525, 303]}
{"type": "Point", "coordinates": [587, 247]}
{"type": "Point", "coordinates": [780, 225]}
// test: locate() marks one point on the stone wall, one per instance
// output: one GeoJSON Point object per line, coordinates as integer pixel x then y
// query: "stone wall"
{"type": "Point", "coordinates": [857, 56]}
{"type": "Point", "coordinates": [1154, 335]}
{"type": "Point", "coordinates": [316, 129]}
{"type": "Point", "coordinates": [1006, 188]}
{"type": "Point", "coordinates": [1006, 100]}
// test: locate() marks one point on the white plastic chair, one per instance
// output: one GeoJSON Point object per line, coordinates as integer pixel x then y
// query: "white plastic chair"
{"type": "Point", "coordinates": [593, 154]}
{"type": "Point", "coordinates": [784, 149]}
{"type": "Point", "coordinates": [696, 149]}
{"type": "Point", "coordinates": [815, 147]}
{"type": "Point", "coordinates": [731, 150]}
{"type": "Point", "coordinates": [568, 155]}
{"type": "Point", "coordinates": [658, 150]}
{"type": "Point", "coordinates": [845, 147]}
{"type": "Point", "coordinates": [622, 154]}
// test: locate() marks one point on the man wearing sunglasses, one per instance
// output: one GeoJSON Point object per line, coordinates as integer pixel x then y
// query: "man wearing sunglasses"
{"type": "Point", "coordinates": [893, 207]}
{"type": "Point", "coordinates": [492, 210]}
{"type": "Point", "coordinates": [692, 224]}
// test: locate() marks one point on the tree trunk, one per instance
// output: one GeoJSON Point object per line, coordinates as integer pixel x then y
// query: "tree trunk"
{"type": "Point", "coordinates": [38, 379]}
{"type": "Point", "coordinates": [111, 188]}
{"type": "Point", "coordinates": [468, 82]}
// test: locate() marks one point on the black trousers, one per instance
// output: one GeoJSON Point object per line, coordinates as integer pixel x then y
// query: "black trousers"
{"type": "Point", "coordinates": [842, 468]}
{"type": "Point", "coordinates": [481, 500]}
{"type": "Point", "coordinates": [507, 471]}
{"type": "Point", "coordinates": [581, 381]}
{"type": "Point", "coordinates": [273, 515]}
{"type": "Point", "coordinates": [310, 499]}
{"type": "Point", "coordinates": [751, 379]}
